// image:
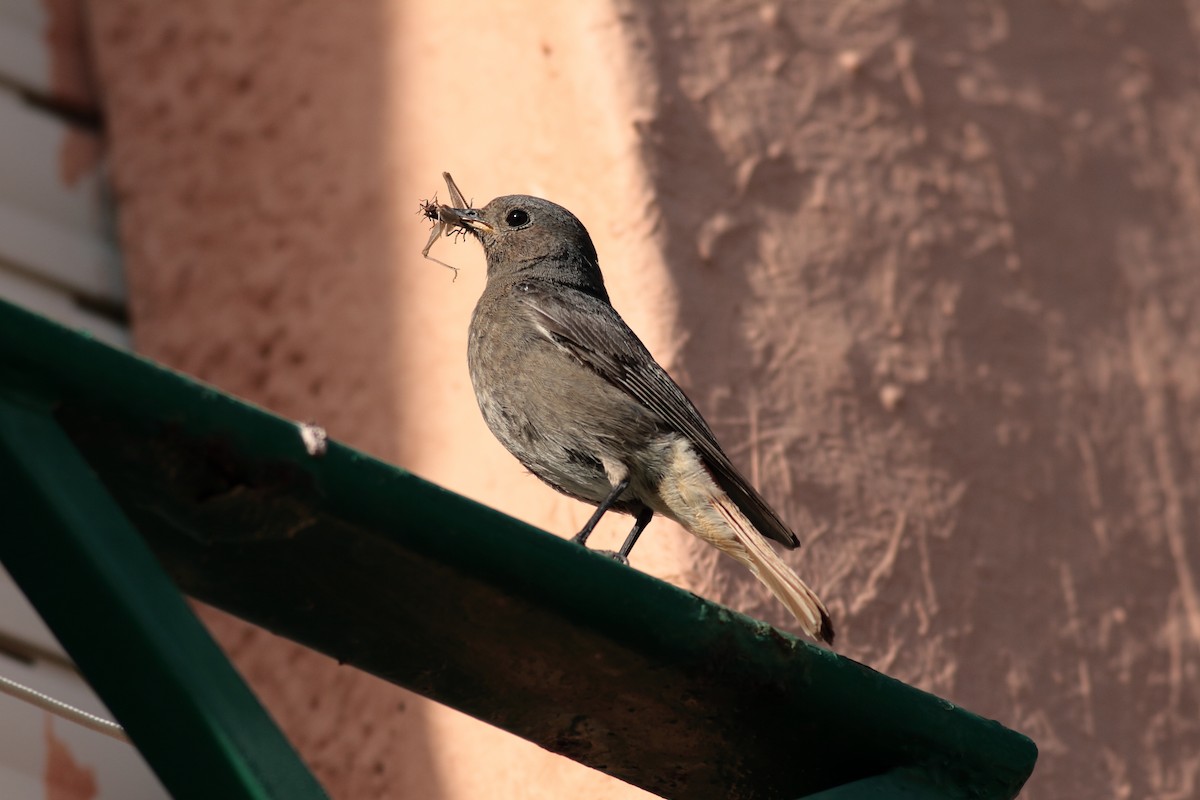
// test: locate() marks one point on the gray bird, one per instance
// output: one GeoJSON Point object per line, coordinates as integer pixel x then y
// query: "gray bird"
{"type": "Point", "coordinates": [571, 391]}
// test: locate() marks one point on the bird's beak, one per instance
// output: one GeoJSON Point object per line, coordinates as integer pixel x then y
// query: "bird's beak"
{"type": "Point", "coordinates": [467, 218]}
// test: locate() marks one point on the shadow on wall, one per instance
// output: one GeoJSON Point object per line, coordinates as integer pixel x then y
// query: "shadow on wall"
{"type": "Point", "coordinates": [944, 285]}
{"type": "Point", "coordinates": [247, 149]}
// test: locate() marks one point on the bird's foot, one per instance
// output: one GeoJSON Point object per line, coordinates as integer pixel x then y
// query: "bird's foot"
{"type": "Point", "coordinates": [614, 555]}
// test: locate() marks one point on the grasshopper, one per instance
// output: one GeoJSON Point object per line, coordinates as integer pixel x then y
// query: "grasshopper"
{"type": "Point", "coordinates": [445, 221]}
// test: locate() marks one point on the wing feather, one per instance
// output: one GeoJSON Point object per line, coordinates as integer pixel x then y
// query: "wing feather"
{"type": "Point", "coordinates": [593, 332]}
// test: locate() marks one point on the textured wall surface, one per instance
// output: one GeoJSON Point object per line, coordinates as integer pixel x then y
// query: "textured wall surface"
{"type": "Point", "coordinates": [930, 269]}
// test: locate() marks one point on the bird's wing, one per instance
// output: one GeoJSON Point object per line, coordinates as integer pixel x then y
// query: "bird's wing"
{"type": "Point", "coordinates": [592, 331]}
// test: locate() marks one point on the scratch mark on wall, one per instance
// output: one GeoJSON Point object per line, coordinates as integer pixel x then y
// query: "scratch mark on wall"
{"type": "Point", "coordinates": [883, 568]}
{"type": "Point", "coordinates": [1149, 375]}
{"type": "Point", "coordinates": [1095, 496]}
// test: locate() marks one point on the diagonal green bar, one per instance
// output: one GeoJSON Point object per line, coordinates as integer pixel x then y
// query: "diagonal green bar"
{"type": "Point", "coordinates": [92, 578]}
{"type": "Point", "coordinates": [393, 575]}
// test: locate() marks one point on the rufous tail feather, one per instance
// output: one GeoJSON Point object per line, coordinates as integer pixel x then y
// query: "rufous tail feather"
{"type": "Point", "coordinates": [751, 548]}
{"type": "Point", "coordinates": [694, 500]}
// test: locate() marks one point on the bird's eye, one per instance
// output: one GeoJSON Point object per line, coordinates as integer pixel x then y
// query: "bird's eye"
{"type": "Point", "coordinates": [517, 217]}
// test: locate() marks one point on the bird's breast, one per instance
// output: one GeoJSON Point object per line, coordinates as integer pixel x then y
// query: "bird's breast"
{"type": "Point", "coordinates": [558, 417]}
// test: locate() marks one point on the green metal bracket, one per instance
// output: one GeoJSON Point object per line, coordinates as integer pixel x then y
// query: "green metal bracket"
{"type": "Point", "coordinates": [97, 585]}
{"type": "Point", "coordinates": [391, 574]}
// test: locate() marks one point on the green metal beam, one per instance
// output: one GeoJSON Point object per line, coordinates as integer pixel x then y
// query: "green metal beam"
{"type": "Point", "coordinates": [94, 581]}
{"type": "Point", "coordinates": [391, 574]}
{"type": "Point", "coordinates": [899, 784]}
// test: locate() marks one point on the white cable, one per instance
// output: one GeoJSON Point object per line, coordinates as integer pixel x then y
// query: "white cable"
{"type": "Point", "coordinates": [67, 712]}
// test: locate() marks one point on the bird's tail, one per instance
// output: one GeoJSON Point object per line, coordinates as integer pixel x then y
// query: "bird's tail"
{"type": "Point", "coordinates": [749, 547]}
{"type": "Point", "coordinates": [696, 502]}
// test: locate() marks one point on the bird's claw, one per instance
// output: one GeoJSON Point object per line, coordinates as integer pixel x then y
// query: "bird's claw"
{"type": "Point", "coordinates": [614, 555]}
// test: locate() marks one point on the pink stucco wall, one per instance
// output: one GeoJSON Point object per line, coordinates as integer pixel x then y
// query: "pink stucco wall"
{"type": "Point", "coordinates": [929, 269]}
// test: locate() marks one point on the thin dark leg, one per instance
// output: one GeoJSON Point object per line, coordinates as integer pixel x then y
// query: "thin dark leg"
{"type": "Point", "coordinates": [639, 525]}
{"type": "Point", "coordinates": [605, 505]}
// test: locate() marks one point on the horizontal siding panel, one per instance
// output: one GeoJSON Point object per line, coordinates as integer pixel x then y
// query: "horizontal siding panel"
{"type": "Point", "coordinates": [62, 234]}
{"type": "Point", "coordinates": [59, 256]}
{"type": "Point", "coordinates": [24, 54]}
{"type": "Point", "coordinates": [61, 307]}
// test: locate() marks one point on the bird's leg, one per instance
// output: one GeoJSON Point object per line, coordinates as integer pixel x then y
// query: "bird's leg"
{"type": "Point", "coordinates": [639, 525]}
{"type": "Point", "coordinates": [605, 505]}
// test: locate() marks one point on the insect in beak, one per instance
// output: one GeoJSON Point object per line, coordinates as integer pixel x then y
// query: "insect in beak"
{"type": "Point", "coordinates": [450, 220]}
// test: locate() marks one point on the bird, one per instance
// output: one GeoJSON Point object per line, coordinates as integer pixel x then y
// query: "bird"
{"type": "Point", "coordinates": [571, 391]}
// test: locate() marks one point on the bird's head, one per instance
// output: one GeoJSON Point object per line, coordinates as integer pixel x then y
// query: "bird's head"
{"type": "Point", "coordinates": [529, 235]}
